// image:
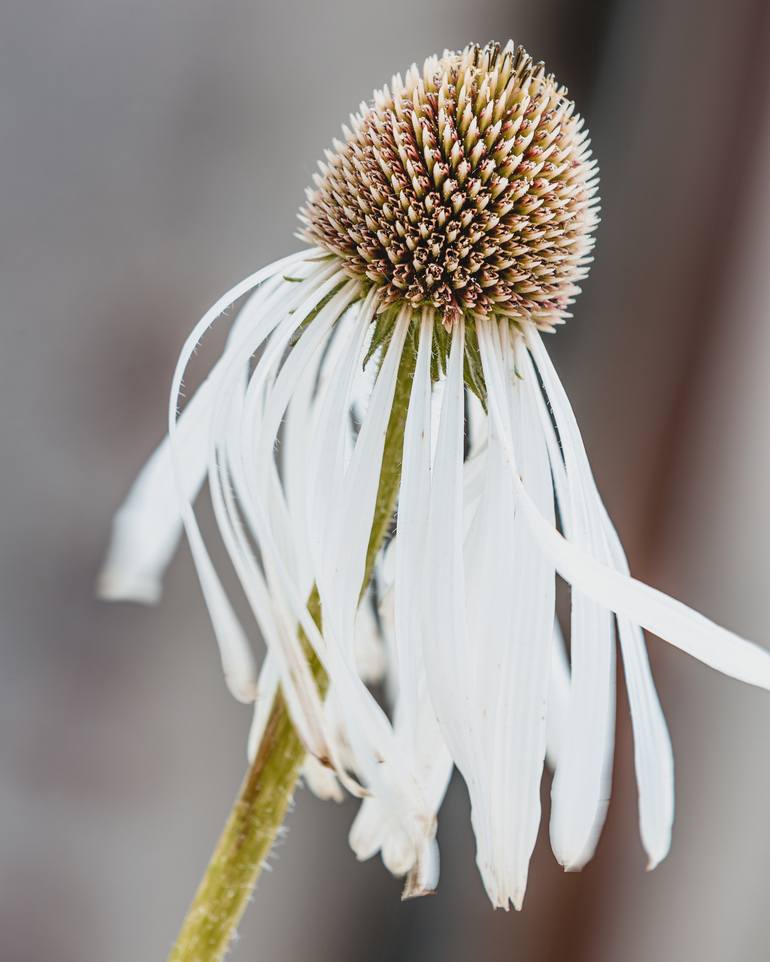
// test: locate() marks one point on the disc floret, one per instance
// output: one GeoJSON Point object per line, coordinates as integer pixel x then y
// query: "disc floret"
{"type": "Point", "coordinates": [468, 186]}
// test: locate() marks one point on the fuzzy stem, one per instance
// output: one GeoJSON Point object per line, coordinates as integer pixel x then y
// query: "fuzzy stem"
{"type": "Point", "coordinates": [265, 795]}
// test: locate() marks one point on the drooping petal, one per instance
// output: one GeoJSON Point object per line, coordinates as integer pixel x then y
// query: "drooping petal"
{"type": "Point", "coordinates": [398, 818]}
{"type": "Point", "coordinates": [454, 658]}
{"type": "Point", "coordinates": [444, 648]}
{"type": "Point", "coordinates": [652, 746]}
{"type": "Point", "coordinates": [326, 457]}
{"type": "Point", "coordinates": [341, 576]}
{"type": "Point", "coordinates": [319, 778]}
{"type": "Point", "coordinates": [581, 786]}
{"type": "Point", "coordinates": [272, 611]}
{"type": "Point", "coordinates": [415, 721]}
{"type": "Point", "coordinates": [653, 755]}
{"type": "Point", "coordinates": [415, 727]}
{"type": "Point", "coordinates": [237, 659]}
{"type": "Point", "coordinates": [267, 688]}
{"type": "Point", "coordinates": [669, 619]}
{"type": "Point", "coordinates": [297, 432]}
{"type": "Point", "coordinates": [321, 781]}
{"type": "Point", "coordinates": [411, 531]}
{"type": "Point", "coordinates": [370, 657]}
{"type": "Point", "coordinates": [476, 424]}
{"type": "Point", "coordinates": [299, 428]}
{"type": "Point", "coordinates": [510, 591]}
{"type": "Point", "coordinates": [652, 609]}
{"type": "Point", "coordinates": [534, 581]}
{"type": "Point", "coordinates": [263, 502]}
{"type": "Point", "coordinates": [339, 556]}
{"type": "Point", "coordinates": [559, 682]}
{"type": "Point", "coordinates": [147, 527]}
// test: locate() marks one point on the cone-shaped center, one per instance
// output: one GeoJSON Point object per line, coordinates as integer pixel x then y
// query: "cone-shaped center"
{"type": "Point", "coordinates": [469, 186]}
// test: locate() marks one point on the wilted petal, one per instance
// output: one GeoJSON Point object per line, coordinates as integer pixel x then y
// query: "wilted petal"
{"type": "Point", "coordinates": [652, 745]}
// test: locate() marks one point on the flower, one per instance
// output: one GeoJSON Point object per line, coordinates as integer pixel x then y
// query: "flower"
{"type": "Point", "coordinates": [469, 188]}
{"type": "Point", "coordinates": [447, 233]}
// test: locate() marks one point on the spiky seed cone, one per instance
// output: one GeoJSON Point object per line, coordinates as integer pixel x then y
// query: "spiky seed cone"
{"type": "Point", "coordinates": [468, 186]}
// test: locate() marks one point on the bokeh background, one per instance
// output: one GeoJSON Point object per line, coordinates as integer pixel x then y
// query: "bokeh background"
{"type": "Point", "coordinates": [153, 154]}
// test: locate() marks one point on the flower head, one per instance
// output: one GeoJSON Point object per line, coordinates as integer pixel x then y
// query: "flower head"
{"type": "Point", "coordinates": [468, 187]}
{"type": "Point", "coordinates": [401, 375]}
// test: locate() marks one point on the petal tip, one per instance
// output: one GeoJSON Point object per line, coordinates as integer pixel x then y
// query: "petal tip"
{"type": "Point", "coordinates": [243, 690]}
{"type": "Point", "coordinates": [413, 889]}
{"type": "Point", "coordinates": [572, 862]}
{"type": "Point", "coordinates": [116, 585]}
{"type": "Point", "coordinates": [654, 859]}
{"type": "Point", "coordinates": [517, 899]}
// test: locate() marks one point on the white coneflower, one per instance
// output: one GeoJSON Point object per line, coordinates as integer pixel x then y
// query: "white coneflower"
{"type": "Point", "coordinates": [400, 357]}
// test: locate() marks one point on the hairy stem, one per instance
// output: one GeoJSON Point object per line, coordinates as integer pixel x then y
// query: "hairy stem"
{"type": "Point", "coordinates": [264, 797]}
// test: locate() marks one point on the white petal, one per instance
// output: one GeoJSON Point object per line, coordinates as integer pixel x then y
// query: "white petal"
{"type": "Point", "coordinates": [264, 504]}
{"type": "Point", "coordinates": [321, 781]}
{"type": "Point", "coordinates": [579, 791]}
{"type": "Point", "coordinates": [369, 829]}
{"type": "Point", "coordinates": [326, 458]}
{"type": "Point", "coordinates": [581, 785]}
{"type": "Point", "coordinates": [411, 531]}
{"type": "Point", "coordinates": [400, 817]}
{"type": "Point", "coordinates": [369, 647]}
{"type": "Point", "coordinates": [445, 649]}
{"type": "Point", "coordinates": [653, 756]}
{"type": "Point", "coordinates": [378, 826]}
{"type": "Point", "coordinates": [342, 573]}
{"type": "Point", "coordinates": [558, 697]}
{"type": "Point", "coordinates": [237, 659]}
{"type": "Point", "coordinates": [299, 429]}
{"type": "Point", "coordinates": [319, 778]}
{"type": "Point", "coordinates": [477, 424]}
{"type": "Point", "coordinates": [423, 876]}
{"type": "Point", "coordinates": [638, 602]}
{"type": "Point", "coordinates": [340, 554]}
{"type": "Point", "coordinates": [451, 663]}
{"type": "Point", "coordinates": [652, 745]}
{"type": "Point", "coordinates": [277, 621]}
{"type": "Point", "coordinates": [267, 688]}
{"type": "Point", "coordinates": [510, 591]}
{"type": "Point", "coordinates": [340, 578]}
{"type": "Point", "coordinates": [669, 619]}
{"type": "Point", "coordinates": [148, 525]}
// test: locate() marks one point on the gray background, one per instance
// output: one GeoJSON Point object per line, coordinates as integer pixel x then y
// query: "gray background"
{"type": "Point", "coordinates": [153, 154]}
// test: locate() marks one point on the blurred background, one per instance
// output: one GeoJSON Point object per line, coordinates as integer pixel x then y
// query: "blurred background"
{"type": "Point", "coordinates": [154, 154]}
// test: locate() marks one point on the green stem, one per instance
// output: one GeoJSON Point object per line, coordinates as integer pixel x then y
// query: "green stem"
{"type": "Point", "coordinates": [264, 797]}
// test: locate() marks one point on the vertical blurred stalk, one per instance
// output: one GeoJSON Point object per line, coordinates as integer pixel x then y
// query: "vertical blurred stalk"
{"type": "Point", "coordinates": [261, 805]}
